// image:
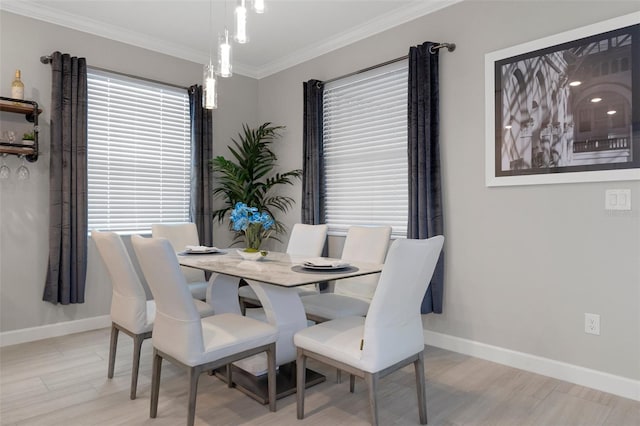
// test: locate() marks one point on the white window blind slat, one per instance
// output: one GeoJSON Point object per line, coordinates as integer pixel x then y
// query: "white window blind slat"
{"type": "Point", "coordinates": [138, 154]}
{"type": "Point", "coordinates": [365, 149]}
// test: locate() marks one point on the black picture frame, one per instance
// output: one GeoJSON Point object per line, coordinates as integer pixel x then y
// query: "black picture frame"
{"type": "Point", "coordinates": [566, 108]}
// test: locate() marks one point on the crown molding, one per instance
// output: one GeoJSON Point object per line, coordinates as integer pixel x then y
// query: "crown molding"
{"type": "Point", "coordinates": [390, 20]}
{"type": "Point", "coordinates": [400, 16]}
{"type": "Point", "coordinates": [48, 14]}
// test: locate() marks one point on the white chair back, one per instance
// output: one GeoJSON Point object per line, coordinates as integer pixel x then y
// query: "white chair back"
{"type": "Point", "coordinates": [177, 330]}
{"type": "Point", "coordinates": [180, 235]}
{"type": "Point", "coordinates": [307, 240]}
{"type": "Point", "coordinates": [129, 301]}
{"type": "Point", "coordinates": [393, 327]}
{"type": "Point", "coordinates": [363, 244]}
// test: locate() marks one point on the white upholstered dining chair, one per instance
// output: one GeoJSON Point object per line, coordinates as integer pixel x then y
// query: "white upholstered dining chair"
{"type": "Point", "coordinates": [181, 235]}
{"type": "Point", "coordinates": [391, 335]}
{"type": "Point", "coordinates": [183, 338]}
{"type": "Point", "coordinates": [305, 241]}
{"type": "Point", "coordinates": [131, 312]}
{"type": "Point", "coordinates": [352, 296]}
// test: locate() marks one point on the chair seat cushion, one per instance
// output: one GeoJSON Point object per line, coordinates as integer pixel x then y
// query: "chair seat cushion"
{"type": "Point", "coordinates": [332, 306]}
{"type": "Point", "coordinates": [256, 313]}
{"type": "Point", "coordinates": [246, 292]}
{"type": "Point", "coordinates": [337, 339]}
{"type": "Point", "coordinates": [198, 290]}
{"type": "Point", "coordinates": [228, 334]}
{"type": "Point", "coordinates": [204, 309]}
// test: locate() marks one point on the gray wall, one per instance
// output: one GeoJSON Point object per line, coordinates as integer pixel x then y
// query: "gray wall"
{"type": "Point", "coordinates": [523, 263]}
{"type": "Point", "coordinates": [24, 205]}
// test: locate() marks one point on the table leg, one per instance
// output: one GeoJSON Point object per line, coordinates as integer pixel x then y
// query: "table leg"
{"type": "Point", "coordinates": [222, 294]}
{"type": "Point", "coordinates": [285, 311]}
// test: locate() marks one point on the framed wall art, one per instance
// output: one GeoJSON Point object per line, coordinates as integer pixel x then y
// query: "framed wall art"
{"type": "Point", "coordinates": [565, 108]}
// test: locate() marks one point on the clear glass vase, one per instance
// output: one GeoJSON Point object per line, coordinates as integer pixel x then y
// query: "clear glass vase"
{"type": "Point", "coordinates": [253, 237]}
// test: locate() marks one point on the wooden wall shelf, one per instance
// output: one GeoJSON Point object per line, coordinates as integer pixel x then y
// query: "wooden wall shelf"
{"type": "Point", "coordinates": [16, 149]}
{"type": "Point", "coordinates": [19, 108]}
{"type": "Point", "coordinates": [30, 111]}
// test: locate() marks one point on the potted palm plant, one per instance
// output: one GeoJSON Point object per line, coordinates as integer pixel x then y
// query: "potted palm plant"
{"type": "Point", "coordinates": [249, 176]}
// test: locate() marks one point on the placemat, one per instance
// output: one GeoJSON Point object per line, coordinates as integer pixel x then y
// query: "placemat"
{"type": "Point", "coordinates": [301, 269]}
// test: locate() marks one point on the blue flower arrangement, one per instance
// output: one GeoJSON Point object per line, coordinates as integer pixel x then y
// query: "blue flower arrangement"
{"type": "Point", "coordinates": [256, 226]}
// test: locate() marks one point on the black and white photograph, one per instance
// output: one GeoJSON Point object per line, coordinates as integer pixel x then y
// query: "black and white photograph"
{"type": "Point", "coordinates": [568, 108]}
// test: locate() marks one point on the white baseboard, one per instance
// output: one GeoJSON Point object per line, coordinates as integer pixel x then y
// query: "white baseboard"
{"type": "Point", "coordinates": [31, 334]}
{"type": "Point", "coordinates": [595, 379]}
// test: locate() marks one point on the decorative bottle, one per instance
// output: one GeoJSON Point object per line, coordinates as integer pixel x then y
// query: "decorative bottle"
{"type": "Point", "coordinates": [17, 87]}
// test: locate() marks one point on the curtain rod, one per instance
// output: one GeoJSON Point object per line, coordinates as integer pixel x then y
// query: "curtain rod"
{"type": "Point", "coordinates": [47, 60]}
{"type": "Point", "coordinates": [433, 49]}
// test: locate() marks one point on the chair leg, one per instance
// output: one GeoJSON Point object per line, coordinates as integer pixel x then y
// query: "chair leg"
{"type": "Point", "coordinates": [421, 388]}
{"type": "Point", "coordinates": [113, 344]}
{"type": "Point", "coordinates": [194, 375]}
{"type": "Point", "coordinates": [300, 383]}
{"type": "Point", "coordinates": [352, 383]}
{"type": "Point", "coordinates": [135, 367]}
{"type": "Point", "coordinates": [372, 384]}
{"type": "Point", "coordinates": [155, 383]}
{"type": "Point", "coordinates": [271, 376]}
{"type": "Point", "coordinates": [228, 374]}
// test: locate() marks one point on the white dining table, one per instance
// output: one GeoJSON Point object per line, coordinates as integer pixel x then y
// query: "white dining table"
{"type": "Point", "coordinates": [273, 278]}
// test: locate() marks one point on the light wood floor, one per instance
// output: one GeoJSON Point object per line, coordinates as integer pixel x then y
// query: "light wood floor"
{"type": "Point", "coordinates": [62, 381]}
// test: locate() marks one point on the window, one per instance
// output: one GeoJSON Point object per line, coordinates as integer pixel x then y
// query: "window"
{"type": "Point", "coordinates": [138, 153]}
{"type": "Point", "coordinates": [365, 149]}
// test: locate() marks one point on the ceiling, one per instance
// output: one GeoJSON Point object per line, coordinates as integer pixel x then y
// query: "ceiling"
{"type": "Point", "coordinates": [290, 32]}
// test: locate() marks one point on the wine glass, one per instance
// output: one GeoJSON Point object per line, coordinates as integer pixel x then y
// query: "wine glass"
{"type": "Point", "coordinates": [5, 172]}
{"type": "Point", "coordinates": [23, 171]}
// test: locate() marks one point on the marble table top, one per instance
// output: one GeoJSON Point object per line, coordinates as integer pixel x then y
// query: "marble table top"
{"type": "Point", "coordinates": [276, 268]}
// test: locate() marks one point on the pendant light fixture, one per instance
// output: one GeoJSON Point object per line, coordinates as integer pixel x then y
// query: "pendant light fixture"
{"type": "Point", "coordinates": [258, 6]}
{"type": "Point", "coordinates": [224, 50]}
{"type": "Point", "coordinates": [224, 55]}
{"type": "Point", "coordinates": [224, 67]}
{"type": "Point", "coordinates": [209, 86]}
{"type": "Point", "coordinates": [241, 22]}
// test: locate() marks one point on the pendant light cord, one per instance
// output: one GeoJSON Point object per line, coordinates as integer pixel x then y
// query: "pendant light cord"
{"type": "Point", "coordinates": [210, 30]}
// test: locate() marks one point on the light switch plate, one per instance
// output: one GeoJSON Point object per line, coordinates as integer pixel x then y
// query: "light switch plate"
{"type": "Point", "coordinates": [617, 199]}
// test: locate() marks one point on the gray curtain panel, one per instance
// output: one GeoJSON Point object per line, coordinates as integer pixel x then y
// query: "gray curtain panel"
{"type": "Point", "coordinates": [313, 161]}
{"type": "Point", "coordinates": [425, 189]}
{"type": "Point", "coordinates": [200, 209]}
{"type": "Point", "coordinates": [66, 274]}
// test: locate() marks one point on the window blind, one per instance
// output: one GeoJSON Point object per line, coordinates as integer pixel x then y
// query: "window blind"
{"type": "Point", "coordinates": [365, 149]}
{"type": "Point", "coordinates": [138, 153]}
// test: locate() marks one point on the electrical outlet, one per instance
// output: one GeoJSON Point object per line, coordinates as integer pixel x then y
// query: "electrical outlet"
{"type": "Point", "coordinates": [592, 324]}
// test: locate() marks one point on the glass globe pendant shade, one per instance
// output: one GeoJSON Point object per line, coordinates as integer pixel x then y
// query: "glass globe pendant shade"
{"type": "Point", "coordinates": [209, 88]}
{"type": "Point", "coordinates": [224, 55]}
{"type": "Point", "coordinates": [241, 22]}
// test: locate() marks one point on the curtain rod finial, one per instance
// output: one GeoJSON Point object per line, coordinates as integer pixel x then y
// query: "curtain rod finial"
{"type": "Point", "coordinates": [435, 47]}
{"type": "Point", "coordinates": [45, 59]}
